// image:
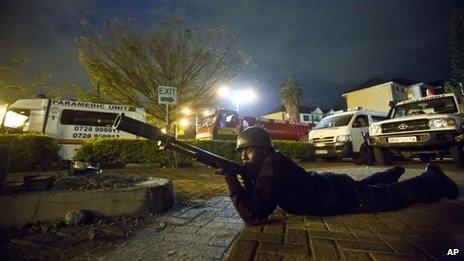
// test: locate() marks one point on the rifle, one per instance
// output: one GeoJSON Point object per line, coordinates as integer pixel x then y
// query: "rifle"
{"type": "Point", "coordinates": [148, 131]}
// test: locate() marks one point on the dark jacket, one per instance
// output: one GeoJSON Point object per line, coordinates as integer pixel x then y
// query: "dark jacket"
{"type": "Point", "coordinates": [283, 183]}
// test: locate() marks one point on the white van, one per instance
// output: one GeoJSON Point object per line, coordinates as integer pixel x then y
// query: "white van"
{"type": "Point", "coordinates": [340, 134]}
{"type": "Point", "coordinates": [69, 122]}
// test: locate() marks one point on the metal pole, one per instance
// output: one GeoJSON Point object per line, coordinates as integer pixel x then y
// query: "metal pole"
{"type": "Point", "coordinates": [170, 154]}
{"type": "Point", "coordinates": [167, 119]}
{"type": "Point", "coordinates": [236, 108]}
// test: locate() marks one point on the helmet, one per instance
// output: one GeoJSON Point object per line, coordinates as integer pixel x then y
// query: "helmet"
{"type": "Point", "coordinates": [253, 136]}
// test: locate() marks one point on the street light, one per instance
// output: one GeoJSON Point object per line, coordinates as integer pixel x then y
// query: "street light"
{"type": "Point", "coordinates": [206, 113]}
{"type": "Point", "coordinates": [223, 91]}
{"type": "Point", "coordinates": [237, 97]}
{"type": "Point", "coordinates": [184, 122]}
{"type": "Point", "coordinates": [243, 96]}
{"type": "Point", "coordinates": [187, 112]}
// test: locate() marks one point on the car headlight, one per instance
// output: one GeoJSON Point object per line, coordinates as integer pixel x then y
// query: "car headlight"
{"type": "Point", "coordinates": [343, 138]}
{"type": "Point", "coordinates": [440, 123]}
{"type": "Point", "coordinates": [375, 129]}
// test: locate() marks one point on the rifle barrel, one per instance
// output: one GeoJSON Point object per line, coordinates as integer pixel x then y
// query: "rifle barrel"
{"type": "Point", "coordinates": [142, 129]}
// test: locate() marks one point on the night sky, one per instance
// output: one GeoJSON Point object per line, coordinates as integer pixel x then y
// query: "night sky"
{"type": "Point", "coordinates": [328, 46]}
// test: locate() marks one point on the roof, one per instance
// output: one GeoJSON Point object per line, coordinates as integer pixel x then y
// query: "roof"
{"type": "Point", "coordinates": [302, 109]}
{"type": "Point", "coordinates": [436, 83]}
{"type": "Point", "coordinates": [376, 81]}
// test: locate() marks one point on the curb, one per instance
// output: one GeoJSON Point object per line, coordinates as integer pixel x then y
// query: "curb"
{"type": "Point", "coordinates": [153, 196]}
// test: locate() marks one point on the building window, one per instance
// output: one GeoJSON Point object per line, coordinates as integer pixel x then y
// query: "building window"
{"type": "Point", "coordinates": [305, 117]}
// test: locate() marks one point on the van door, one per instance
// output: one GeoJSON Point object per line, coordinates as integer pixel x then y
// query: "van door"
{"type": "Point", "coordinates": [2, 113]}
{"type": "Point", "coordinates": [360, 124]}
{"type": "Point", "coordinates": [52, 124]}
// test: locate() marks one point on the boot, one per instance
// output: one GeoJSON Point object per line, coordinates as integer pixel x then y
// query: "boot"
{"type": "Point", "coordinates": [452, 190]}
{"type": "Point", "coordinates": [428, 187]}
{"type": "Point", "coordinates": [387, 177]}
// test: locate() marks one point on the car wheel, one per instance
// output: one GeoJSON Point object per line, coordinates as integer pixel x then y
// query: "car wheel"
{"type": "Point", "coordinates": [457, 153]}
{"type": "Point", "coordinates": [383, 156]}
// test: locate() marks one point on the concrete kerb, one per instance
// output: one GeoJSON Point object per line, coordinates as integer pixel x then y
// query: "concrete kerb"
{"type": "Point", "coordinates": [152, 196]}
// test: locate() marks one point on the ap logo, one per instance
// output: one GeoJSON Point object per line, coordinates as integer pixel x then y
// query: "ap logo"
{"type": "Point", "coordinates": [452, 252]}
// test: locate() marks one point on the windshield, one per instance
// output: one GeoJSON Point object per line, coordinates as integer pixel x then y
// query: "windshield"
{"type": "Point", "coordinates": [207, 121]}
{"type": "Point", "coordinates": [436, 106]}
{"type": "Point", "coordinates": [16, 119]}
{"type": "Point", "coordinates": [334, 121]}
{"type": "Point", "coordinates": [225, 119]}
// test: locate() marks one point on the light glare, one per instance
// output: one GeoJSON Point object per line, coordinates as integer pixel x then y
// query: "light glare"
{"type": "Point", "coordinates": [184, 122]}
{"type": "Point", "coordinates": [223, 91]}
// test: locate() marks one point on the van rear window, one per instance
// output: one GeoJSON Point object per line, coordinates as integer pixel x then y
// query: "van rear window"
{"type": "Point", "coordinates": [89, 118]}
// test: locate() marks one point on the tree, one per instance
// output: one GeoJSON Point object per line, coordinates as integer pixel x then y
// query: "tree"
{"type": "Point", "coordinates": [291, 95]}
{"type": "Point", "coordinates": [128, 65]}
{"type": "Point", "coordinates": [457, 47]}
{"type": "Point", "coordinates": [15, 84]}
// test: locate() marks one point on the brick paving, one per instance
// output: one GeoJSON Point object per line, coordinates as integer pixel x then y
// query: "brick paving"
{"type": "Point", "coordinates": [421, 232]}
{"type": "Point", "coordinates": [204, 231]}
{"type": "Point", "coordinates": [214, 232]}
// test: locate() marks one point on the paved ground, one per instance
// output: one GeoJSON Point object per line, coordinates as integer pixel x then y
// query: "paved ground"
{"type": "Point", "coordinates": [202, 231]}
{"type": "Point", "coordinates": [206, 227]}
{"type": "Point", "coordinates": [421, 232]}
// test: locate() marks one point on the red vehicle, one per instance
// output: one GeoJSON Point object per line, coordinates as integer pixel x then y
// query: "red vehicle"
{"type": "Point", "coordinates": [226, 125]}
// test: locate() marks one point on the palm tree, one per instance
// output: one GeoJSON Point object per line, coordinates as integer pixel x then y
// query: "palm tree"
{"type": "Point", "coordinates": [291, 95]}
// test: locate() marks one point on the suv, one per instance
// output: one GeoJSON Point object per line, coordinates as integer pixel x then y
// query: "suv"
{"type": "Point", "coordinates": [340, 135]}
{"type": "Point", "coordinates": [426, 127]}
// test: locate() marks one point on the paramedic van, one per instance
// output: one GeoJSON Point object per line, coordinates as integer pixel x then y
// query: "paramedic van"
{"type": "Point", "coordinates": [69, 122]}
{"type": "Point", "coordinates": [340, 134]}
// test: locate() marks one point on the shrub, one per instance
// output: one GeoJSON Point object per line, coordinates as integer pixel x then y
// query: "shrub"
{"type": "Point", "coordinates": [29, 151]}
{"type": "Point", "coordinates": [111, 151]}
{"type": "Point", "coordinates": [224, 148]}
{"type": "Point", "coordinates": [294, 149]}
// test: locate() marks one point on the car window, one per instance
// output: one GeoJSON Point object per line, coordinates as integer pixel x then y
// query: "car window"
{"type": "Point", "coordinates": [360, 121]}
{"type": "Point", "coordinates": [377, 118]}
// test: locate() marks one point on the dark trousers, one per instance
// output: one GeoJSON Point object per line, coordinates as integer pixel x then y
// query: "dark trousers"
{"type": "Point", "coordinates": [428, 187]}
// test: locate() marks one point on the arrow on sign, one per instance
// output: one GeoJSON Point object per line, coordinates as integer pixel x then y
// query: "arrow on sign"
{"type": "Point", "coordinates": [167, 99]}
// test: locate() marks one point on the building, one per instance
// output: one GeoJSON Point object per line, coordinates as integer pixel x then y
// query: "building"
{"type": "Point", "coordinates": [307, 114]}
{"type": "Point", "coordinates": [375, 93]}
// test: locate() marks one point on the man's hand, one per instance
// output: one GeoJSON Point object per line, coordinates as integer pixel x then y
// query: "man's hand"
{"type": "Point", "coordinates": [219, 170]}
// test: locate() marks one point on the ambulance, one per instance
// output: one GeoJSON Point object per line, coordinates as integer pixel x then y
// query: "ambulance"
{"type": "Point", "coordinates": [68, 121]}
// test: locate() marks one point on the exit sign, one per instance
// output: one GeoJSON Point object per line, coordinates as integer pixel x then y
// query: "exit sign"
{"type": "Point", "coordinates": [167, 95]}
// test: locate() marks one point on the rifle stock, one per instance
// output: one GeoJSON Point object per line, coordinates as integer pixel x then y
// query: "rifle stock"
{"type": "Point", "coordinates": [148, 131]}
